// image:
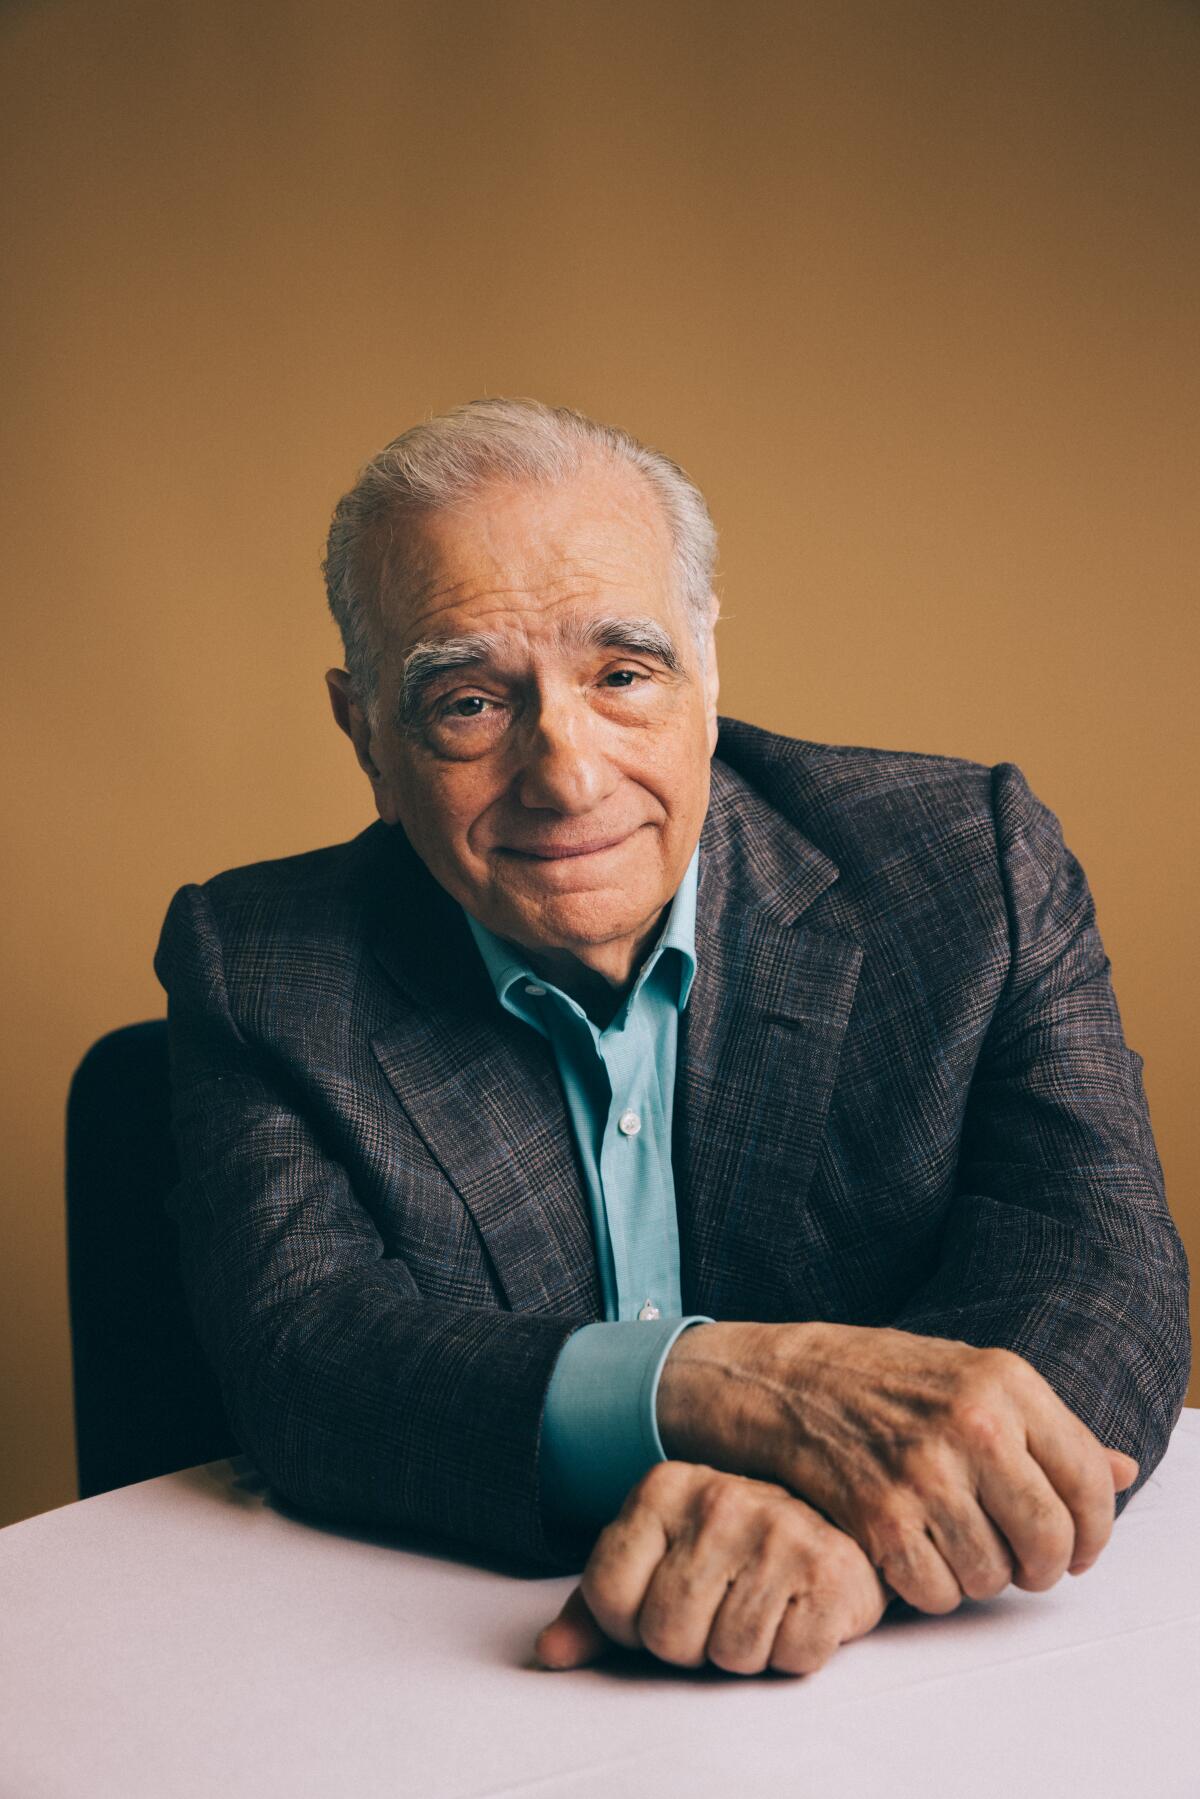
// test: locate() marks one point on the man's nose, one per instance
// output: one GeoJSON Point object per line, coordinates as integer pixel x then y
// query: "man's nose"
{"type": "Point", "coordinates": [563, 767]}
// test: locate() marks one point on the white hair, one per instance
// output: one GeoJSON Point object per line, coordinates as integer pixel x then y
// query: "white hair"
{"type": "Point", "coordinates": [452, 456]}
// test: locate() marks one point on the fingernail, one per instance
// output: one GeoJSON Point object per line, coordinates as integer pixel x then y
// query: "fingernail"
{"type": "Point", "coordinates": [1081, 1567]}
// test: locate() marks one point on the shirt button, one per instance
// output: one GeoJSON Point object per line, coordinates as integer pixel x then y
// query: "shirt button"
{"type": "Point", "coordinates": [629, 1124]}
{"type": "Point", "coordinates": [535, 992]}
{"type": "Point", "coordinates": [648, 1312]}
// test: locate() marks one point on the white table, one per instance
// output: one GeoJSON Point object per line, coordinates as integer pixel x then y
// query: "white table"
{"type": "Point", "coordinates": [184, 1637]}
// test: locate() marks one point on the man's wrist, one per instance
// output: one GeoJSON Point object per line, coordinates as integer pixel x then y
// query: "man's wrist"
{"type": "Point", "coordinates": [710, 1405]}
{"type": "Point", "coordinates": [731, 1395]}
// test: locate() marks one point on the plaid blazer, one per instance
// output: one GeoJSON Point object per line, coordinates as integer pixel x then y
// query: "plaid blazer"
{"type": "Point", "coordinates": [903, 1097]}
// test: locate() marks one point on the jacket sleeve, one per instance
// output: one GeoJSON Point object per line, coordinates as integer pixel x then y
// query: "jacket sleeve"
{"type": "Point", "coordinates": [356, 1398]}
{"type": "Point", "coordinates": [1059, 1244]}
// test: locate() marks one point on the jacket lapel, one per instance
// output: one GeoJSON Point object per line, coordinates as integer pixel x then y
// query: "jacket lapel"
{"type": "Point", "coordinates": [482, 1092]}
{"type": "Point", "coordinates": [759, 1048]}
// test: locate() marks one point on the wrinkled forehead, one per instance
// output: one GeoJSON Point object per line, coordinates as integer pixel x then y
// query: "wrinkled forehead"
{"type": "Point", "coordinates": [524, 559]}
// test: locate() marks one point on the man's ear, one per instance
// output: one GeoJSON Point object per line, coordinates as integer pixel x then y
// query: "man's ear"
{"type": "Point", "coordinates": [350, 718]}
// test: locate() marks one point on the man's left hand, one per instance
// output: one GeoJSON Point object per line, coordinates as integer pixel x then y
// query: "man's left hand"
{"type": "Point", "coordinates": [706, 1566]}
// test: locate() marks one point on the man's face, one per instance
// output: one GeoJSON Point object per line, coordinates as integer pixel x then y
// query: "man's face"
{"type": "Point", "coordinates": [545, 718]}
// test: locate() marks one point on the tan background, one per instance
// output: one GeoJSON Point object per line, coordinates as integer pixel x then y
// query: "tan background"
{"type": "Point", "coordinates": [911, 289]}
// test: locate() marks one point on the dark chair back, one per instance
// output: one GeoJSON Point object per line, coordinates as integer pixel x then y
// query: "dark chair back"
{"type": "Point", "coordinates": [146, 1401]}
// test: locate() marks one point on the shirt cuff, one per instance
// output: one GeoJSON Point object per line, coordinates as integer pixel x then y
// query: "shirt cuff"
{"type": "Point", "coordinates": [599, 1429]}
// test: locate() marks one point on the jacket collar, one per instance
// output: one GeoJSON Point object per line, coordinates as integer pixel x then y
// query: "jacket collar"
{"type": "Point", "coordinates": [752, 859]}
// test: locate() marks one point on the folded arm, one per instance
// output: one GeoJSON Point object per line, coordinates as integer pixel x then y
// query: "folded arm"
{"type": "Point", "coordinates": [969, 1441]}
{"type": "Point", "coordinates": [357, 1398]}
{"type": "Point", "coordinates": [1060, 1246]}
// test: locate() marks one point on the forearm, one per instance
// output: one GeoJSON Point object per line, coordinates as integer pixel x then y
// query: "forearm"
{"type": "Point", "coordinates": [361, 1403]}
{"type": "Point", "coordinates": [360, 1395]}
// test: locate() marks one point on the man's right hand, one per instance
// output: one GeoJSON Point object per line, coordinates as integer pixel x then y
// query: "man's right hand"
{"type": "Point", "coordinates": [957, 1469]}
{"type": "Point", "coordinates": [703, 1566]}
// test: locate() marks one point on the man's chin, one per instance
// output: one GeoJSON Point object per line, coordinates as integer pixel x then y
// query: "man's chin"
{"type": "Point", "coordinates": [573, 921]}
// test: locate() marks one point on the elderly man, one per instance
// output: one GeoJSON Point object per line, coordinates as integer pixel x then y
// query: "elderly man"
{"type": "Point", "coordinates": [708, 1154]}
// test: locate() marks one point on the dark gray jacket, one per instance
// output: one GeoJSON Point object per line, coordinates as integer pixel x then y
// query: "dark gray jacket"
{"type": "Point", "coordinates": [903, 1098]}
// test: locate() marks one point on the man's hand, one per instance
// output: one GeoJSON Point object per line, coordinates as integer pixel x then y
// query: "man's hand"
{"type": "Point", "coordinates": [957, 1469]}
{"type": "Point", "coordinates": [706, 1566]}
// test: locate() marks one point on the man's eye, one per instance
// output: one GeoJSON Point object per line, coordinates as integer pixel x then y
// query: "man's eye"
{"type": "Point", "coordinates": [470, 705]}
{"type": "Point", "coordinates": [623, 677]}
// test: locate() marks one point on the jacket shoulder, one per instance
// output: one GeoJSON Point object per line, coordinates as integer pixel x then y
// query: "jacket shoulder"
{"type": "Point", "coordinates": [313, 884]}
{"type": "Point", "coordinates": [287, 917]}
{"type": "Point", "coordinates": [852, 799]}
{"type": "Point", "coordinates": [949, 849]}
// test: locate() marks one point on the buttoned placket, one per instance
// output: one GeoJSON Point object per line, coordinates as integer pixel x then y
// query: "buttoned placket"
{"type": "Point", "coordinates": [618, 1087]}
{"type": "Point", "coordinates": [632, 1153]}
{"type": "Point", "coordinates": [630, 1133]}
{"type": "Point", "coordinates": [618, 1084]}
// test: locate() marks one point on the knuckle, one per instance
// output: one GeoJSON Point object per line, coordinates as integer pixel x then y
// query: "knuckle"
{"type": "Point", "coordinates": [978, 1426]}
{"type": "Point", "coordinates": [721, 1506]}
{"type": "Point", "coordinates": [1000, 1379]}
{"type": "Point", "coordinates": [1004, 1365]}
{"type": "Point", "coordinates": [661, 1486]}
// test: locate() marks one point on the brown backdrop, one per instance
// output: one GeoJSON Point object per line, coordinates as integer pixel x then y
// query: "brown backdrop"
{"type": "Point", "coordinates": [911, 289]}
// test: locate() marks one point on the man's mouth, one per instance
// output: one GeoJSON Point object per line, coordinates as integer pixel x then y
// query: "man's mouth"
{"type": "Point", "coordinates": [561, 852]}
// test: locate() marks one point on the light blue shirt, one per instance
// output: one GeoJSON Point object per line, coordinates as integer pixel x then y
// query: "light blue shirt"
{"type": "Point", "coordinates": [599, 1431]}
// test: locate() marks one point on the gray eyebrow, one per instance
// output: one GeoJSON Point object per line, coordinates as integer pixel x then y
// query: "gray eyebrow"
{"type": "Point", "coordinates": [427, 662]}
{"type": "Point", "coordinates": [640, 636]}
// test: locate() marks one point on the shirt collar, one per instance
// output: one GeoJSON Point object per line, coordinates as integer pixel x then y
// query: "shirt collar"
{"type": "Point", "coordinates": [506, 963]}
